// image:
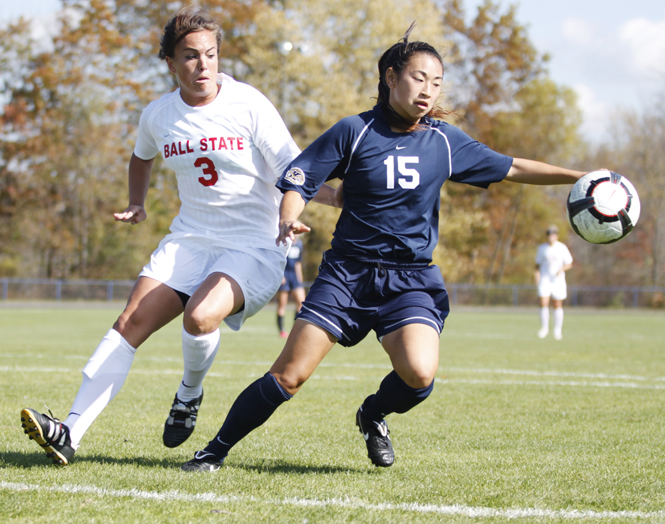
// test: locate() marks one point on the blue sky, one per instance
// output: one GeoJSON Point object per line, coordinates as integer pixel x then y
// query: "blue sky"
{"type": "Point", "coordinates": [612, 52]}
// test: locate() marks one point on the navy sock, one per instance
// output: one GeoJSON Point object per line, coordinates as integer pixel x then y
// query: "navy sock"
{"type": "Point", "coordinates": [394, 396]}
{"type": "Point", "coordinates": [252, 408]}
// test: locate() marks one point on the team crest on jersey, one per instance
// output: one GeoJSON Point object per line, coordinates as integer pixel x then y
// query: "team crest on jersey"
{"type": "Point", "coordinates": [296, 176]}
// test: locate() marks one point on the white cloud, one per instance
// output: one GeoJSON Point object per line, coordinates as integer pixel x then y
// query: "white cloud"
{"type": "Point", "coordinates": [578, 31]}
{"type": "Point", "coordinates": [596, 113]}
{"type": "Point", "coordinates": [645, 41]}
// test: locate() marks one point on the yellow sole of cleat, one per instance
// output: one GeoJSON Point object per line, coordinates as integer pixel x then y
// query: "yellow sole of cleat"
{"type": "Point", "coordinates": [34, 432]}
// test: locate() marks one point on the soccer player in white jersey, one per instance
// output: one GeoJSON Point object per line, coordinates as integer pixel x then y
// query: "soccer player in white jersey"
{"type": "Point", "coordinates": [553, 259]}
{"type": "Point", "coordinates": [378, 275]}
{"type": "Point", "coordinates": [227, 145]}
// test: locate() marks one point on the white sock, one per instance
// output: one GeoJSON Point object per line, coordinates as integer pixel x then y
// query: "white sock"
{"type": "Point", "coordinates": [198, 354]}
{"type": "Point", "coordinates": [545, 318]}
{"type": "Point", "coordinates": [103, 376]}
{"type": "Point", "coordinates": [558, 319]}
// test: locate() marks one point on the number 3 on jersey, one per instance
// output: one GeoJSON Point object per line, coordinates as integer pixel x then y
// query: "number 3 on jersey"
{"type": "Point", "coordinates": [410, 177]}
{"type": "Point", "coordinates": [210, 173]}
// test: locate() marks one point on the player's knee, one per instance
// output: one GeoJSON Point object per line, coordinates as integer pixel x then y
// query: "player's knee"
{"type": "Point", "coordinates": [131, 326]}
{"type": "Point", "coordinates": [199, 322]}
{"type": "Point", "coordinates": [289, 381]}
{"type": "Point", "coordinates": [419, 377]}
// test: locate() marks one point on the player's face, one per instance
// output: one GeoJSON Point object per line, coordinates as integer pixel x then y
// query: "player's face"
{"type": "Point", "coordinates": [195, 63]}
{"type": "Point", "coordinates": [416, 90]}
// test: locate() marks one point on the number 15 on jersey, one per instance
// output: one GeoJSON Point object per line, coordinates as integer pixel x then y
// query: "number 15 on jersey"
{"type": "Point", "coordinates": [409, 179]}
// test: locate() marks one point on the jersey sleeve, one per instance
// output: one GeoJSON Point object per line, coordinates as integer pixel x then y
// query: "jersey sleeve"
{"type": "Point", "coordinates": [324, 159]}
{"type": "Point", "coordinates": [539, 255]}
{"type": "Point", "coordinates": [272, 136]}
{"type": "Point", "coordinates": [474, 163]}
{"type": "Point", "coordinates": [146, 147]}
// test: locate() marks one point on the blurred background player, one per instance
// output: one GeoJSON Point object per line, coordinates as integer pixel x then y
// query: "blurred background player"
{"type": "Point", "coordinates": [291, 284]}
{"type": "Point", "coordinates": [220, 261]}
{"type": "Point", "coordinates": [553, 259]}
{"type": "Point", "coordinates": [378, 274]}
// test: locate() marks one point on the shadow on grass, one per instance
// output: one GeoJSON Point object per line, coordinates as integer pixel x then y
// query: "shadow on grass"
{"type": "Point", "coordinates": [282, 466]}
{"type": "Point", "coordinates": [32, 460]}
{"type": "Point", "coordinates": [39, 460]}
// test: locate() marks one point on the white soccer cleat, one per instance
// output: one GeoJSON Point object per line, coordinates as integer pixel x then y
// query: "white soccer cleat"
{"type": "Point", "coordinates": [542, 333]}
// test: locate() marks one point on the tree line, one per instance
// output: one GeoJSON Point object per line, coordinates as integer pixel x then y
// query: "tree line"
{"type": "Point", "coordinates": [70, 110]}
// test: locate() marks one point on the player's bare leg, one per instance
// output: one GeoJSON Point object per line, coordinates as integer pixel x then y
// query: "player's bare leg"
{"type": "Point", "coordinates": [306, 347]}
{"type": "Point", "coordinates": [215, 299]}
{"type": "Point", "coordinates": [282, 301]}
{"type": "Point", "coordinates": [151, 305]}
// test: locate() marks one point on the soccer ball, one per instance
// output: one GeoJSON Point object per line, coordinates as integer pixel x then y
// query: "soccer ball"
{"type": "Point", "coordinates": [603, 207]}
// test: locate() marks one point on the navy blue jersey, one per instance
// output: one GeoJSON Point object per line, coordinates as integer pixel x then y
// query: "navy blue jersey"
{"type": "Point", "coordinates": [392, 182]}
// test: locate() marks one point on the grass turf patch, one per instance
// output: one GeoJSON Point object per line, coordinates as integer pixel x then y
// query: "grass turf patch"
{"type": "Point", "coordinates": [516, 427]}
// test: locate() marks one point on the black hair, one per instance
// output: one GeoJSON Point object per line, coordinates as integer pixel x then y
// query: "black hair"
{"type": "Point", "coordinates": [190, 19]}
{"type": "Point", "coordinates": [398, 57]}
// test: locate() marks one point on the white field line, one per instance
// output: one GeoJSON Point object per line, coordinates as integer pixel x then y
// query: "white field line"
{"type": "Point", "coordinates": [497, 371]}
{"type": "Point", "coordinates": [316, 376]}
{"type": "Point", "coordinates": [344, 503]}
{"type": "Point", "coordinates": [551, 373]}
{"type": "Point", "coordinates": [569, 383]}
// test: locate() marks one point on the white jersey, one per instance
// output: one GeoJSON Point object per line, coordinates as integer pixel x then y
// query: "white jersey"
{"type": "Point", "coordinates": [227, 156]}
{"type": "Point", "coordinates": [551, 259]}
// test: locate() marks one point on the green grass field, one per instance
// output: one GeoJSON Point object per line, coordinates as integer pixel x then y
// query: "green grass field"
{"type": "Point", "coordinates": [517, 428]}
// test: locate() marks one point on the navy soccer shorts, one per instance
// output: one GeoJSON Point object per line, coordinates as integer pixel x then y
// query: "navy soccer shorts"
{"type": "Point", "coordinates": [290, 281]}
{"type": "Point", "coordinates": [351, 297]}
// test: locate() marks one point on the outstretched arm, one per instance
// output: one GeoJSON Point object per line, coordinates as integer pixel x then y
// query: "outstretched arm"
{"type": "Point", "coordinates": [525, 171]}
{"type": "Point", "coordinates": [139, 181]}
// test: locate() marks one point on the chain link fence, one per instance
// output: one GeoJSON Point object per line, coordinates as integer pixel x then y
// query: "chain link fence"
{"type": "Point", "coordinates": [653, 297]}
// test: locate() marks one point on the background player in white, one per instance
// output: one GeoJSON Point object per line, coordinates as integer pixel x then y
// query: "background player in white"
{"type": "Point", "coordinates": [378, 275]}
{"type": "Point", "coordinates": [553, 259]}
{"type": "Point", "coordinates": [291, 285]}
{"type": "Point", "coordinates": [227, 145]}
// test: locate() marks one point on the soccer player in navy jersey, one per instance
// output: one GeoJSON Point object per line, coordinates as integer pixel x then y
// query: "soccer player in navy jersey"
{"type": "Point", "coordinates": [377, 275]}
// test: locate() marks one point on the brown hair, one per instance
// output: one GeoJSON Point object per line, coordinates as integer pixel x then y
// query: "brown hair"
{"type": "Point", "coordinates": [190, 19]}
{"type": "Point", "coordinates": [398, 57]}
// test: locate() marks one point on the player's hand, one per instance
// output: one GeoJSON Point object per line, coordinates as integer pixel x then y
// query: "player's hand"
{"type": "Point", "coordinates": [133, 214]}
{"type": "Point", "coordinates": [289, 230]}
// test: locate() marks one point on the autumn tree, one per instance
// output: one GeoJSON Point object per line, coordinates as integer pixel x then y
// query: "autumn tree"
{"type": "Point", "coordinates": [635, 150]}
{"type": "Point", "coordinates": [68, 127]}
{"type": "Point", "coordinates": [69, 120]}
{"type": "Point", "coordinates": [503, 97]}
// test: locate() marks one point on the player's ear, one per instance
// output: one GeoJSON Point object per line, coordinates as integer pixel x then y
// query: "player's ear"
{"type": "Point", "coordinates": [391, 78]}
{"type": "Point", "coordinates": [169, 63]}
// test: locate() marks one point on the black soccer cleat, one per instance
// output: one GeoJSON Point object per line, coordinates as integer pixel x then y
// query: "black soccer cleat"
{"type": "Point", "coordinates": [50, 434]}
{"type": "Point", "coordinates": [203, 461]}
{"type": "Point", "coordinates": [181, 421]}
{"type": "Point", "coordinates": [379, 448]}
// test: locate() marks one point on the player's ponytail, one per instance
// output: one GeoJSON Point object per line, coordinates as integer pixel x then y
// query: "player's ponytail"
{"type": "Point", "coordinates": [397, 57]}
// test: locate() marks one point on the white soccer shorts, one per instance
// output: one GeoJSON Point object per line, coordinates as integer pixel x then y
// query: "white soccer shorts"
{"type": "Point", "coordinates": [552, 286]}
{"type": "Point", "coordinates": [183, 261]}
